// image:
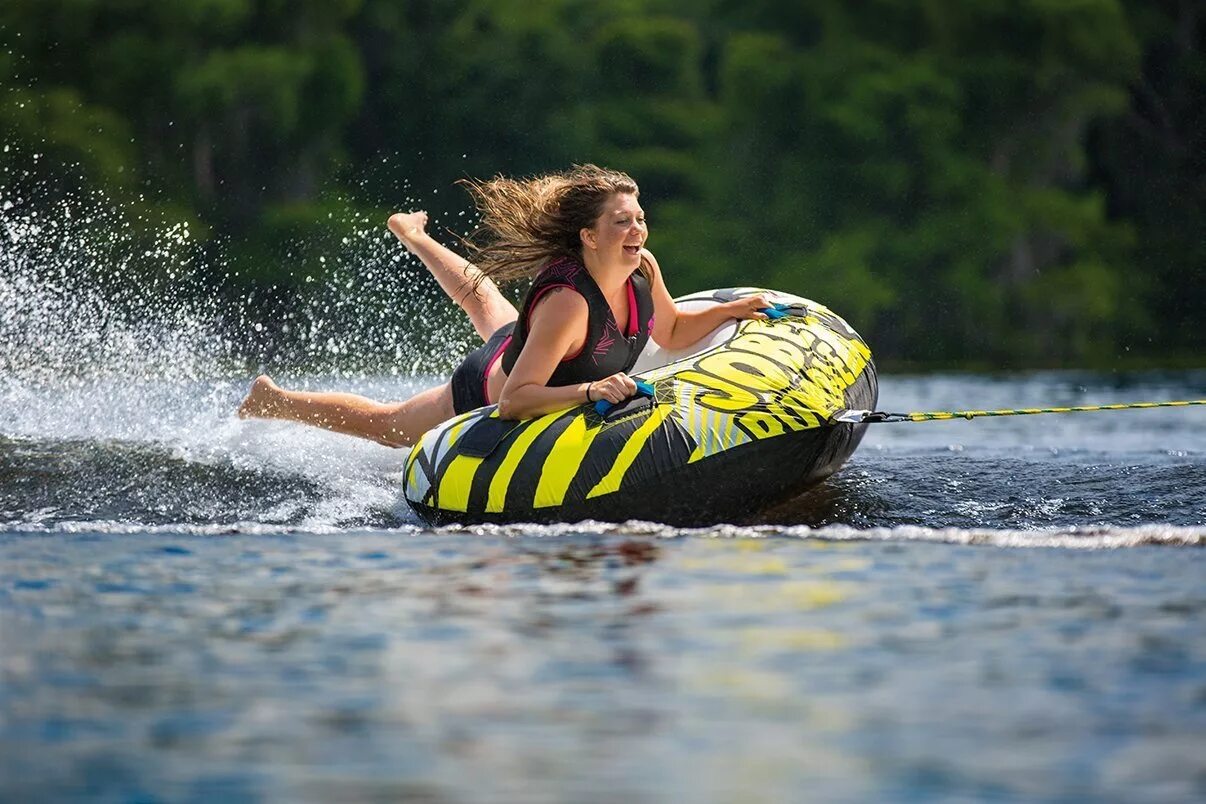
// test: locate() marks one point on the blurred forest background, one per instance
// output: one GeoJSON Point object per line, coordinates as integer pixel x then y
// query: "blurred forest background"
{"type": "Point", "coordinates": [997, 182]}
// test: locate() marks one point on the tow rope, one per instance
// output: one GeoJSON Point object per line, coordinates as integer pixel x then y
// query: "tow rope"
{"type": "Point", "coordinates": [880, 417]}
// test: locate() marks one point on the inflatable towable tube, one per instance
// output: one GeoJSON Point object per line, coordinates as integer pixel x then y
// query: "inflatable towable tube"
{"type": "Point", "coordinates": [727, 428]}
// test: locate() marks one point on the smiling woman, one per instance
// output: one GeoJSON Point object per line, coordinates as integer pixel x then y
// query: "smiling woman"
{"type": "Point", "coordinates": [597, 298]}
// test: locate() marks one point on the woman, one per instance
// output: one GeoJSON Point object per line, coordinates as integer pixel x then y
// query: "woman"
{"type": "Point", "coordinates": [581, 235]}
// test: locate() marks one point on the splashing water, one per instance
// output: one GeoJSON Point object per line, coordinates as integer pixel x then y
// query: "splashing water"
{"type": "Point", "coordinates": [125, 348]}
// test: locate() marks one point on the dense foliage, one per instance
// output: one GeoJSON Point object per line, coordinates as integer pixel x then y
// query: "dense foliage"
{"type": "Point", "coordinates": [1004, 181]}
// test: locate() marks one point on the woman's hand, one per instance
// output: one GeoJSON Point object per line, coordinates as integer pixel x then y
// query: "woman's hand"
{"type": "Point", "coordinates": [749, 307]}
{"type": "Point", "coordinates": [614, 389]}
{"type": "Point", "coordinates": [408, 226]}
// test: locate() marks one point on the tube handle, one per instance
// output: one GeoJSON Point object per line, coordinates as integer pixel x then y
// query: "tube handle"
{"type": "Point", "coordinates": [603, 406]}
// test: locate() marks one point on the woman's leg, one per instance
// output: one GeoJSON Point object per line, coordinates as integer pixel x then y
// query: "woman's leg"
{"type": "Point", "coordinates": [394, 424]}
{"type": "Point", "coordinates": [477, 295]}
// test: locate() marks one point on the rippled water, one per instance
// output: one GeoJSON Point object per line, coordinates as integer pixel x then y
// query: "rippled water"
{"type": "Point", "coordinates": [194, 608]}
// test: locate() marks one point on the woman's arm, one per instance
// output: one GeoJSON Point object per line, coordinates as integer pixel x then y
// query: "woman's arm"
{"type": "Point", "coordinates": [556, 328]}
{"type": "Point", "coordinates": [677, 329]}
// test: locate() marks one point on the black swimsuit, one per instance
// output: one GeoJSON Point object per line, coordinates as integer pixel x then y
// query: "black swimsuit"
{"type": "Point", "coordinates": [606, 350]}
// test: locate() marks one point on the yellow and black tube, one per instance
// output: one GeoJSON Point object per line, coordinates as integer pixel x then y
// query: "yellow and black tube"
{"type": "Point", "coordinates": [736, 426]}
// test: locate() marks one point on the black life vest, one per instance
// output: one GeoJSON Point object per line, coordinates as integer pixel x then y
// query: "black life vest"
{"type": "Point", "coordinates": [609, 347]}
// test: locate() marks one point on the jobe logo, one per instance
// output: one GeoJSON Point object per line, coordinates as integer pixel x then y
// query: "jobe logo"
{"type": "Point", "coordinates": [774, 377]}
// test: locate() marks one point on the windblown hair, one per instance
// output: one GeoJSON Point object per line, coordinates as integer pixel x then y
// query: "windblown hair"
{"type": "Point", "coordinates": [527, 223]}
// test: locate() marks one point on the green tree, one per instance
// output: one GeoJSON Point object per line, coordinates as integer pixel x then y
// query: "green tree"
{"type": "Point", "coordinates": [998, 181]}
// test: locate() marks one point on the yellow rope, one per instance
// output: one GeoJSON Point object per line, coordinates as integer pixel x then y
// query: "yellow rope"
{"type": "Point", "coordinates": [971, 414]}
{"type": "Point", "coordinates": [872, 417]}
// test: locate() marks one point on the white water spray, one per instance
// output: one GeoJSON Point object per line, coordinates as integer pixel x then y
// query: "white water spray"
{"type": "Point", "coordinates": [117, 330]}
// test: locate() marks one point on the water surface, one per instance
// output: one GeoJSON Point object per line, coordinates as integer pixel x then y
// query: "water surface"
{"type": "Point", "coordinates": [194, 607]}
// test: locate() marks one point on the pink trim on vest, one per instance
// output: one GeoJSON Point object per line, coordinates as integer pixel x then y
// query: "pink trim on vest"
{"type": "Point", "coordinates": [489, 365]}
{"type": "Point", "coordinates": [632, 311]}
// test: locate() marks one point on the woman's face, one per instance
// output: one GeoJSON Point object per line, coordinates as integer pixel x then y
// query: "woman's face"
{"type": "Point", "coordinates": [619, 232]}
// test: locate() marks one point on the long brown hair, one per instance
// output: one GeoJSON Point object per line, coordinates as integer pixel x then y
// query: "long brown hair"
{"type": "Point", "coordinates": [527, 223]}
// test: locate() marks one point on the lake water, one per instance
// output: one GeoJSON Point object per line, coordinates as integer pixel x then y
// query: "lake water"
{"type": "Point", "coordinates": [194, 608]}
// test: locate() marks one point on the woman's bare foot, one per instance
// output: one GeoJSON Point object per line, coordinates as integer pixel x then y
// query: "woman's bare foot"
{"type": "Point", "coordinates": [262, 400]}
{"type": "Point", "coordinates": [407, 226]}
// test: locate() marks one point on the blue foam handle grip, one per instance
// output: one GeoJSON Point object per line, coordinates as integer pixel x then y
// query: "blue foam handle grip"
{"type": "Point", "coordinates": [777, 311]}
{"type": "Point", "coordinates": [643, 389]}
